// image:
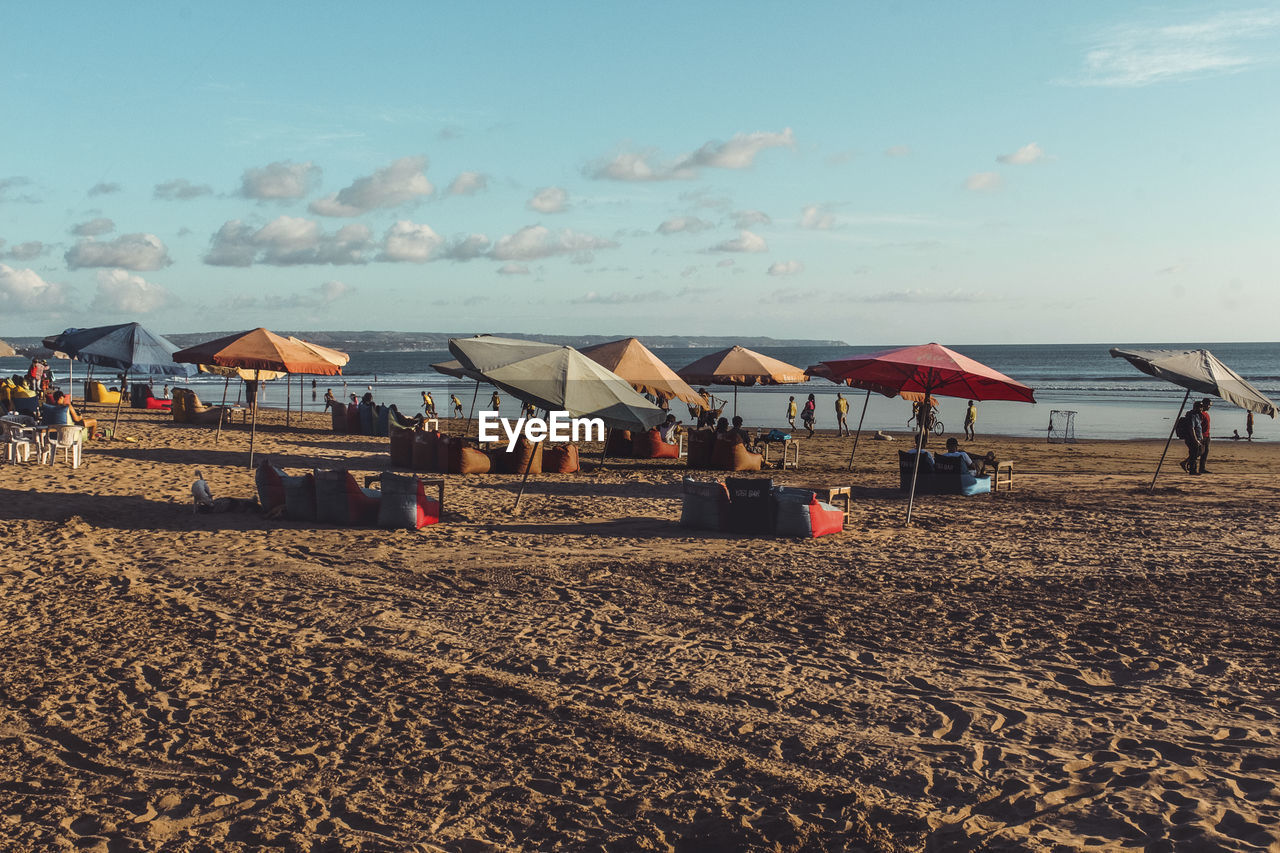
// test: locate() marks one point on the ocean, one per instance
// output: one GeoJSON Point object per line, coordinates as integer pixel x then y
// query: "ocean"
{"type": "Point", "coordinates": [1111, 399]}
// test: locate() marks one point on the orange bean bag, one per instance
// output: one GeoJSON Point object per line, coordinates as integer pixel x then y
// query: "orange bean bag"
{"type": "Point", "coordinates": [560, 459]}
{"type": "Point", "coordinates": [454, 457]}
{"type": "Point", "coordinates": [649, 445]}
{"type": "Point", "coordinates": [402, 447]}
{"type": "Point", "coordinates": [728, 454]}
{"type": "Point", "coordinates": [515, 460]}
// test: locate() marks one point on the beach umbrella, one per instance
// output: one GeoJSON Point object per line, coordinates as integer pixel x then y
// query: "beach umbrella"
{"type": "Point", "coordinates": [928, 369]}
{"type": "Point", "coordinates": [260, 350]}
{"type": "Point", "coordinates": [556, 378]}
{"type": "Point", "coordinates": [1200, 371]}
{"type": "Point", "coordinates": [454, 368]}
{"type": "Point", "coordinates": [338, 357]}
{"type": "Point", "coordinates": [741, 368]}
{"type": "Point", "coordinates": [127, 347]}
{"type": "Point", "coordinates": [647, 373]}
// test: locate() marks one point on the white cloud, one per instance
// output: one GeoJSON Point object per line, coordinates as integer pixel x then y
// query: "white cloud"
{"type": "Point", "coordinates": [402, 182]}
{"type": "Point", "coordinates": [180, 189]}
{"type": "Point", "coordinates": [468, 183]}
{"type": "Point", "coordinates": [513, 269]}
{"type": "Point", "coordinates": [94, 227]}
{"type": "Point", "coordinates": [620, 298]}
{"type": "Point", "coordinates": [690, 224]}
{"type": "Point", "coordinates": [983, 182]}
{"type": "Point", "coordinates": [467, 247]}
{"type": "Point", "coordinates": [24, 291]}
{"type": "Point", "coordinates": [27, 251]}
{"type": "Point", "coordinates": [727, 262]}
{"type": "Point", "coordinates": [786, 268]}
{"type": "Point", "coordinates": [549, 200]}
{"type": "Point", "coordinates": [898, 151]}
{"type": "Point", "coordinates": [279, 181]}
{"type": "Point", "coordinates": [1143, 54]}
{"type": "Point", "coordinates": [288, 241]}
{"type": "Point", "coordinates": [7, 184]}
{"type": "Point", "coordinates": [121, 292]}
{"type": "Point", "coordinates": [104, 188]}
{"type": "Point", "coordinates": [746, 241]}
{"type": "Point", "coordinates": [408, 241]}
{"type": "Point", "coordinates": [1024, 156]}
{"type": "Point", "coordinates": [817, 217]}
{"type": "Point", "coordinates": [926, 296]}
{"type": "Point", "coordinates": [748, 218]}
{"type": "Point", "coordinates": [128, 251]}
{"type": "Point", "coordinates": [536, 241]}
{"type": "Point", "coordinates": [739, 152]}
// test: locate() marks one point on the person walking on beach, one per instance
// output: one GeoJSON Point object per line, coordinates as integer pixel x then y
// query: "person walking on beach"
{"type": "Point", "coordinates": [329, 400]}
{"type": "Point", "coordinates": [1191, 430]}
{"type": "Point", "coordinates": [791, 412]}
{"type": "Point", "coordinates": [495, 402]}
{"type": "Point", "coordinates": [842, 411]}
{"type": "Point", "coordinates": [1248, 426]}
{"type": "Point", "coordinates": [810, 414]}
{"type": "Point", "coordinates": [1204, 436]}
{"type": "Point", "coordinates": [970, 418]}
{"type": "Point", "coordinates": [428, 404]}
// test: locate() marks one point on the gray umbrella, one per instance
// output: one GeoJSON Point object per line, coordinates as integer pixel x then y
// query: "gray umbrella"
{"type": "Point", "coordinates": [1196, 370]}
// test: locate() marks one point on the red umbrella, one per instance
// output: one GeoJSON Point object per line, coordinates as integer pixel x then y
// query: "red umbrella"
{"type": "Point", "coordinates": [927, 369]}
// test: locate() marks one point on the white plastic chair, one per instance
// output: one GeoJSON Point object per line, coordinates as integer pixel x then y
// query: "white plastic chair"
{"type": "Point", "coordinates": [20, 436]}
{"type": "Point", "coordinates": [70, 439]}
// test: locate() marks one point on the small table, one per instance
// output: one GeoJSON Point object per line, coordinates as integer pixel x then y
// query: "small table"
{"type": "Point", "coordinates": [830, 494]}
{"type": "Point", "coordinates": [1002, 476]}
{"type": "Point", "coordinates": [790, 451]}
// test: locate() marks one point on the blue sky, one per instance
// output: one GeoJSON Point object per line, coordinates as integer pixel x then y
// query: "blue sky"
{"type": "Point", "coordinates": [876, 173]}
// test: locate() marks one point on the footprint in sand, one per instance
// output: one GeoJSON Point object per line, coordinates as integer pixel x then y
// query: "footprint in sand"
{"type": "Point", "coordinates": [955, 720]}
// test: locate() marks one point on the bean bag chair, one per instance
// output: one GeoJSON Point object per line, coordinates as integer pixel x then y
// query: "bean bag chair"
{"type": "Point", "coordinates": [404, 504]}
{"type": "Point", "coordinates": [618, 444]}
{"type": "Point", "coordinates": [353, 419]}
{"type": "Point", "coordinates": [269, 481]}
{"type": "Point", "coordinates": [705, 505]}
{"type": "Point", "coordinates": [368, 419]}
{"type": "Point", "coordinates": [798, 512]}
{"type": "Point", "coordinates": [750, 505]}
{"type": "Point", "coordinates": [341, 500]}
{"type": "Point", "coordinates": [728, 454]}
{"type": "Point", "coordinates": [158, 403]}
{"type": "Point", "coordinates": [453, 456]}
{"type": "Point", "coordinates": [425, 450]}
{"type": "Point", "coordinates": [397, 420]}
{"type": "Point", "coordinates": [515, 460]}
{"type": "Point", "coordinates": [924, 479]}
{"type": "Point", "coordinates": [381, 421]}
{"type": "Point", "coordinates": [560, 459]}
{"type": "Point", "coordinates": [138, 394]}
{"type": "Point", "coordinates": [180, 410]}
{"type": "Point", "coordinates": [339, 414]}
{"type": "Point", "coordinates": [699, 444]}
{"type": "Point", "coordinates": [952, 477]}
{"type": "Point", "coordinates": [402, 447]}
{"type": "Point", "coordinates": [649, 445]}
{"type": "Point", "coordinates": [299, 497]}
{"type": "Point", "coordinates": [96, 392]}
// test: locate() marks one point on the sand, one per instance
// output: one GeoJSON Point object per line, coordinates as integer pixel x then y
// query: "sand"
{"type": "Point", "coordinates": [1073, 665]}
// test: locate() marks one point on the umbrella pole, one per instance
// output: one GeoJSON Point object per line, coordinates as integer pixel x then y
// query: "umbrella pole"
{"type": "Point", "coordinates": [735, 401]}
{"type": "Point", "coordinates": [915, 467]}
{"type": "Point", "coordinates": [1151, 490]}
{"type": "Point", "coordinates": [253, 430]}
{"type": "Point", "coordinates": [124, 383]}
{"type": "Point", "coordinates": [605, 447]}
{"type": "Point", "coordinates": [527, 468]}
{"type": "Point", "coordinates": [466, 428]}
{"type": "Point", "coordinates": [858, 434]}
{"type": "Point", "coordinates": [223, 414]}
{"type": "Point", "coordinates": [288, 398]}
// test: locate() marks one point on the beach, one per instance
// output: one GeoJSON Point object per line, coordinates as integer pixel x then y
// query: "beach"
{"type": "Point", "coordinates": [1075, 664]}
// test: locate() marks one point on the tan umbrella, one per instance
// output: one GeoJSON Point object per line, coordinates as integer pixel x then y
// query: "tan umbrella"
{"type": "Point", "coordinates": [338, 357]}
{"type": "Point", "coordinates": [259, 350]}
{"type": "Point", "coordinates": [741, 367]}
{"type": "Point", "coordinates": [647, 373]}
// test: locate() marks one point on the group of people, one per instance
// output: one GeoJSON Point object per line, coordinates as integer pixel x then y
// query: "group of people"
{"type": "Point", "coordinates": [50, 407]}
{"type": "Point", "coordinates": [1193, 429]}
{"type": "Point", "coordinates": [809, 414]}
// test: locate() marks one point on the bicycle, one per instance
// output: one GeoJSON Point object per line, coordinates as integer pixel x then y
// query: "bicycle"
{"type": "Point", "coordinates": [935, 425]}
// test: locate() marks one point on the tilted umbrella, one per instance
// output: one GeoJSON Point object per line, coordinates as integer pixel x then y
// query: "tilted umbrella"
{"type": "Point", "coordinates": [556, 378]}
{"type": "Point", "coordinates": [1196, 370]}
{"type": "Point", "coordinates": [259, 350]}
{"type": "Point", "coordinates": [741, 368]}
{"type": "Point", "coordinates": [928, 369]}
{"type": "Point", "coordinates": [125, 347]}
{"type": "Point", "coordinates": [647, 373]}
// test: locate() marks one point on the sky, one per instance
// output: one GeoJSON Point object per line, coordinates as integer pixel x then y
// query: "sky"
{"type": "Point", "coordinates": [868, 172]}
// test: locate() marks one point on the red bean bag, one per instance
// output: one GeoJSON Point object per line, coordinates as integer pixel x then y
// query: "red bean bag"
{"type": "Point", "coordinates": [728, 454]}
{"type": "Point", "coordinates": [649, 445]}
{"type": "Point", "coordinates": [560, 459]}
{"type": "Point", "coordinates": [154, 403]}
{"type": "Point", "coordinates": [353, 419]}
{"type": "Point", "coordinates": [270, 486]}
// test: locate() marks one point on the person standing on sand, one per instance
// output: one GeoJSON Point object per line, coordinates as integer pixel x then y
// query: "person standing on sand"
{"type": "Point", "coordinates": [791, 412]}
{"type": "Point", "coordinates": [970, 418]}
{"type": "Point", "coordinates": [1192, 434]}
{"type": "Point", "coordinates": [1204, 438]}
{"type": "Point", "coordinates": [495, 402]}
{"type": "Point", "coordinates": [1248, 426]}
{"type": "Point", "coordinates": [330, 402]}
{"type": "Point", "coordinates": [842, 411]}
{"type": "Point", "coordinates": [457, 406]}
{"type": "Point", "coordinates": [810, 414]}
{"type": "Point", "coordinates": [428, 404]}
